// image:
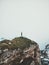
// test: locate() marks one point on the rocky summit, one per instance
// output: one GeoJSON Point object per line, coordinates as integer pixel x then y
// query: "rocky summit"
{"type": "Point", "coordinates": [19, 51]}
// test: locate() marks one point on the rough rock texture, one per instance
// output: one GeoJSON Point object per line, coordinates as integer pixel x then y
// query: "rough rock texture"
{"type": "Point", "coordinates": [21, 51]}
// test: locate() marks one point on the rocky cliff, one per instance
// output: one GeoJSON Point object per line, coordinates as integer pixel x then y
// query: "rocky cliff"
{"type": "Point", "coordinates": [19, 51]}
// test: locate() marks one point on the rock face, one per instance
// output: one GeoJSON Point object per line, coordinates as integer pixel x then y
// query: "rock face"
{"type": "Point", "coordinates": [47, 50]}
{"type": "Point", "coordinates": [21, 51]}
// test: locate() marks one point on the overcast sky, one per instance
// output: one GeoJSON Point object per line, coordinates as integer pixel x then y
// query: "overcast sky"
{"type": "Point", "coordinates": [27, 16]}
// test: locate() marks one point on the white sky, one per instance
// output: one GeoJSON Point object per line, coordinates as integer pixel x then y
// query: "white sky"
{"type": "Point", "coordinates": [27, 16]}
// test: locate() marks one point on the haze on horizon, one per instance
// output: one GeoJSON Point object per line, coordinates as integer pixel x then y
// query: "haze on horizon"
{"type": "Point", "coordinates": [27, 16]}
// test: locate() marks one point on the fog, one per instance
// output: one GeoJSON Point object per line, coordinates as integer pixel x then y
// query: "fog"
{"type": "Point", "coordinates": [27, 16]}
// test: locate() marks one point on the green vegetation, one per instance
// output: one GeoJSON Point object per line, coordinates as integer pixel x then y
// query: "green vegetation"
{"type": "Point", "coordinates": [19, 42]}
